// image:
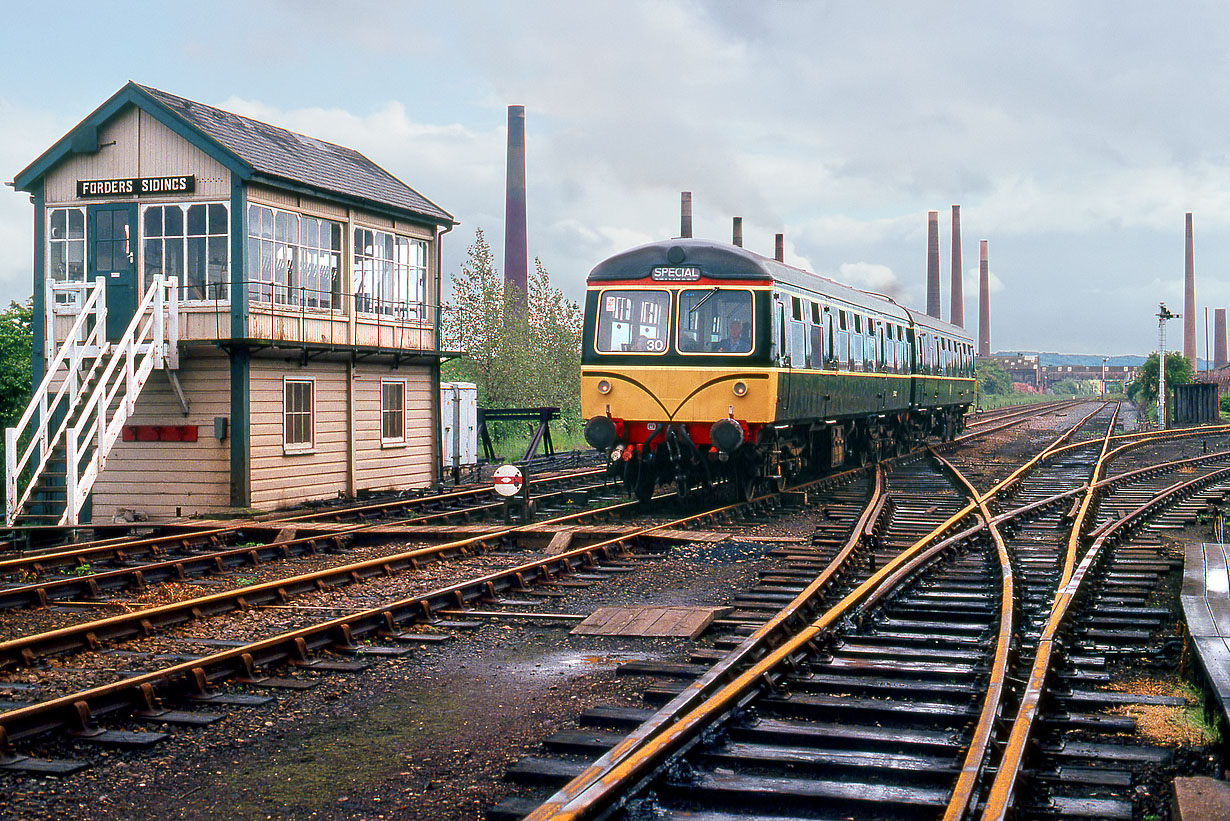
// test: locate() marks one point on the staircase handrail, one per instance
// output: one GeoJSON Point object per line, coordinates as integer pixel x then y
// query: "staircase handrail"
{"type": "Point", "coordinates": [70, 354]}
{"type": "Point", "coordinates": [142, 348]}
{"type": "Point", "coordinates": [148, 321]}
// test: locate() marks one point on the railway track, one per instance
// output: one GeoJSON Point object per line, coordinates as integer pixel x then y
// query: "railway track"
{"type": "Point", "coordinates": [863, 543]}
{"type": "Point", "coordinates": [889, 703]}
{"type": "Point", "coordinates": [55, 546]}
{"type": "Point", "coordinates": [87, 572]}
{"type": "Point", "coordinates": [138, 693]}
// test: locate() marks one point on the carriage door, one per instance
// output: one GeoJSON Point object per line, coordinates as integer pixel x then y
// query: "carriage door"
{"type": "Point", "coordinates": [113, 254]}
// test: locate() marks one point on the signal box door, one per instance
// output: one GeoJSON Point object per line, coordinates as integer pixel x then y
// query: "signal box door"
{"type": "Point", "coordinates": [113, 254]}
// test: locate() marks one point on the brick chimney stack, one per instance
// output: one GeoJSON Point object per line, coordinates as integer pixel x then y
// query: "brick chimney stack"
{"type": "Point", "coordinates": [1219, 337]}
{"type": "Point", "coordinates": [933, 264]}
{"type": "Point", "coordinates": [1189, 298]}
{"type": "Point", "coordinates": [956, 305]}
{"type": "Point", "coordinates": [984, 301]}
{"type": "Point", "coordinates": [516, 255]}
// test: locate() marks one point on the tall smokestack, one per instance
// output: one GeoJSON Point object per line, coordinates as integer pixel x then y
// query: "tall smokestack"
{"type": "Point", "coordinates": [933, 264]}
{"type": "Point", "coordinates": [1189, 299]}
{"type": "Point", "coordinates": [956, 306]}
{"type": "Point", "coordinates": [685, 214]}
{"type": "Point", "coordinates": [515, 253]}
{"type": "Point", "coordinates": [984, 300]}
{"type": "Point", "coordinates": [1219, 337]}
{"type": "Point", "coordinates": [779, 247]}
{"type": "Point", "coordinates": [737, 232]}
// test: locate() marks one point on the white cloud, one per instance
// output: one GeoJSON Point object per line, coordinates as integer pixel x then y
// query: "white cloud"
{"type": "Point", "coordinates": [869, 276]}
{"type": "Point", "coordinates": [1073, 139]}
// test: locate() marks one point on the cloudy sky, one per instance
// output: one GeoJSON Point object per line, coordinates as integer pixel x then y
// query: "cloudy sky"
{"type": "Point", "coordinates": [1074, 135]}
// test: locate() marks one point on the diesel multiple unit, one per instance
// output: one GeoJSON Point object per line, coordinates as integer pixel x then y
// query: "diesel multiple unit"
{"type": "Point", "coordinates": [704, 362]}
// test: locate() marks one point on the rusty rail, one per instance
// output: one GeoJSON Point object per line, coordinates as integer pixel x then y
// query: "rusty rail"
{"type": "Point", "coordinates": [1001, 797]}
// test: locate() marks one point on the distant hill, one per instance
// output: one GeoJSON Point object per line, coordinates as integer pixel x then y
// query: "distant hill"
{"type": "Point", "coordinates": [1085, 360]}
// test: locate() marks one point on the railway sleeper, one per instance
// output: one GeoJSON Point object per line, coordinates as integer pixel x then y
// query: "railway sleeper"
{"type": "Point", "coordinates": [939, 670]}
{"type": "Point", "coordinates": [879, 687]}
{"type": "Point", "coordinates": [1104, 809]}
{"type": "Point", "coordinates": [882, 636]}
{"type": "Point", "coordinates": [753, 791]}
{"type": "Point", "coordinates": [827, 735]}
{"type": "Point", "coordinates": [859, 710]}
{"type": "Point", "coordinates": [873, 766]}
{"type": "Point", "coordinates": [856, 649]}
{"type": "Point", "coordinates": [1089, 722]}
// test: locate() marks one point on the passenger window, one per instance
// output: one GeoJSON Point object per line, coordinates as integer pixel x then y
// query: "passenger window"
{"type": "Point", "coordinates": [632, 321]}
{"type": "Point", "coordinates": [796, 308]}
{"type": "Point", "coordinates": [716, 320]}
{"type": "Point", "coordinates": [829, 347]}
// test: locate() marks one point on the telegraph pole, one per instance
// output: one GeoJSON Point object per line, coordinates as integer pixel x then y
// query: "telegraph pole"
{"type": "Point", "coordinates": [1162, 315]}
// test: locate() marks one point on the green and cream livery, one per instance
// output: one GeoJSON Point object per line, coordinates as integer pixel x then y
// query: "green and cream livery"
{"type": "Point", "coordinates": [703, 362]}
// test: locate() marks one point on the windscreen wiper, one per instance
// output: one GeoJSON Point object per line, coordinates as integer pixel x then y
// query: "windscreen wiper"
{"type": "Point", "coordinates": [703, 300]}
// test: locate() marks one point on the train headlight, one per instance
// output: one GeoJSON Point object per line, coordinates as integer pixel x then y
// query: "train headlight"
{"type": "Point", "coordinates": [740, 389]}
{"type": "Point", "coordinates": [604, 386]}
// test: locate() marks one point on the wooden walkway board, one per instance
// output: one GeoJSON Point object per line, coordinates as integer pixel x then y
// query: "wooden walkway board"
{"type": "Point", "coordinates": [711, 536]}
{"type": "Point", "coordinates": [656, 622]}
{"type": "Point", "coordinates": [1206, 607]}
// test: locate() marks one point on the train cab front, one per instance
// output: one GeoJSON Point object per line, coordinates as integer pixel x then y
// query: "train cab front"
{"type": "Point", "coordinates": [675, 376]}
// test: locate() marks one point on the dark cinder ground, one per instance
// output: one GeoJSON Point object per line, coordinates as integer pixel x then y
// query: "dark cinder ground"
{"type": "Point", "coordinates": [427, 735]}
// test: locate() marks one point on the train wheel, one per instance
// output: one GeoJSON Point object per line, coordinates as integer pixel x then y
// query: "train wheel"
{"type": "Point", "coordinates": [745, 484]}
{"type": "Point", "coordinates": [644, 486]}
{"type": "Point", "coordinates": [683, 490]}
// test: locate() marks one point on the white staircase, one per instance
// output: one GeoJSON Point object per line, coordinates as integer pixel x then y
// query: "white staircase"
{"type": "Point", "coordinates": [59, 447]}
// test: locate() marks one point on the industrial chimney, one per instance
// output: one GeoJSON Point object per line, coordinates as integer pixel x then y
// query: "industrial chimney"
{"type": "Point", "coordinates": [737, 232]}
{"type": "Point", "coordinates": [516, 257]}
{"type": "Point", "coordinates": [1219, 337]}
{"type": "Point", "coordinates": [1189, 299]}
{"type": "Point", "coordinates": [933, 264]}
{"type": "Point", "coordinates": [956, 307]}
{"type": "Point", "coordinates": [685, 214]}
{"type": "Point", "coordinates": [984, 301]}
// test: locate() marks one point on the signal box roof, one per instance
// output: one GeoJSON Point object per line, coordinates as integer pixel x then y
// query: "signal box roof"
{"type": "Point", "coordinates": [252, 150]}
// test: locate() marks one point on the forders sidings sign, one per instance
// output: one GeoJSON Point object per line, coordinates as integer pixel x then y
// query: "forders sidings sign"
{"type": "Point", "coordinates": [137, 186]}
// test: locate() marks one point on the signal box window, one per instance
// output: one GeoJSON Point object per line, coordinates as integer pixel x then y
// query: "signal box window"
{"type": "Point", "coordinates": [632, 322]}
{"type": "Point", "coordinates": [393, 412]}
{"type": "Point", "coordinates": [298, 415]}
{"type": "Point", "coordinates": [66, 248]}
{"type": "Point", "coordinates": [716, 320]}
{"type": "Point", "coordinates": [190, 243]}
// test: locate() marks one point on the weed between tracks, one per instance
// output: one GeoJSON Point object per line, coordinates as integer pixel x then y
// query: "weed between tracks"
{"type": "Point", "coordinates": [1168, 726]}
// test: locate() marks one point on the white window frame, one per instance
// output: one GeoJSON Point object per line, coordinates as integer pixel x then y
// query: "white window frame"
{"type": "Point", "coordinates": [299, 447]}
{"type": "Point", "coordinates": [399, 441]}
{"type": "Point", "coordinates": [65, 302]}
{"type": "Point", "coordinates": [184, 205]}
{"type": "Point", "coordinates": [404, 275]}
{"type": "Point", "coordinates": [297, 256]}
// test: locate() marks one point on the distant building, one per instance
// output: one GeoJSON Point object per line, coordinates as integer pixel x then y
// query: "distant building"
{"type": "Point", "coordinates": [1117, 376]}
{"type": "Point", "coordinates": [1027, 369]}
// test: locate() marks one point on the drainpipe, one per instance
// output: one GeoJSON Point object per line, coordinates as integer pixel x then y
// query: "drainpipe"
{"type": "Point", "coordinates": [437, 425]}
